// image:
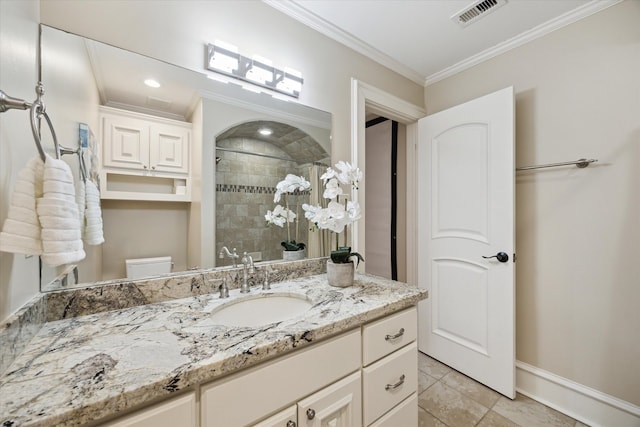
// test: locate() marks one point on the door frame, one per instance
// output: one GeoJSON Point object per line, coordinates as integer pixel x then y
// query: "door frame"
{"type": "Point", "coordinates": [366, 97]}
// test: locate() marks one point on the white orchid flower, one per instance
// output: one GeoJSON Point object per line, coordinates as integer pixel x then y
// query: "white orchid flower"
{"type": "Point", "coordinates": [280, 216]}
{"type": "Point", "coordinates": [349, 175]}
{"type": "Point", "coordinates": [290, 184]}
{"type": "Point", "coordinates": [330, 173]}
{"type": "Point", "coordinates": [353, 211]}
{"type": "Point", "coordinates": [332, 189]}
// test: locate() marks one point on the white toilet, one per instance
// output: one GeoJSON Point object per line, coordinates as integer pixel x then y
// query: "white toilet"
{"type": "Point", "coordinates": [144, 267]}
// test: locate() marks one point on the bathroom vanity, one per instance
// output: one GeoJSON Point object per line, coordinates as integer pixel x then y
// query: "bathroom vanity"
{"type": "Point", "coordinates": [350, 358]}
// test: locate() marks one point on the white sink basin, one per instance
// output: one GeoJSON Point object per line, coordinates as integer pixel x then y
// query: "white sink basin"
{"type": "Point", "coordinates": [257, 310]}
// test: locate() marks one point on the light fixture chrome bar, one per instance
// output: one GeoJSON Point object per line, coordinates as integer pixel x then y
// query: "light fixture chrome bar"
{"type": "Point", "coordinates": [279, 81]}
{"type": "Point", "coordinates": [581, 163]}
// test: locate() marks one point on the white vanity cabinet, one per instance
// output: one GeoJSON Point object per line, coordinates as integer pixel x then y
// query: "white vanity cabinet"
{"type": "Point", "coordinates": [179, 411]}
{"type": "Point", "coordinates": [144, 157]}
{"type": "Point", "coordinates": [390, 370]}
{"type": "Point", "coordinates": [322, 380]}
{"type": "Point", "coordinates": [337, 405]}
{"type": "Point", "coordinates": [363, 377]}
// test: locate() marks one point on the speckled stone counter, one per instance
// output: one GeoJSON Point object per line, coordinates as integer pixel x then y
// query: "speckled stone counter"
{"type": "Point", "coordinates": [81, 369]}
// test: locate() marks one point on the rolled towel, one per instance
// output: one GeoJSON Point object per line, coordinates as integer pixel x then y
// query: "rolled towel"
{"type": "Point", "coordinates": [93, 232]}
{"type": "Point", "coordinates": [81, 200]}
{"type": "Point", "coordinates": [61, 235]}
{"type": "Point", "coordinates": [21, 229]}
{"type": "Point", "coordinates": [59, 223]}
{"type": "Point", "coordinates": [58, 215]}
{"type": "Point", "coordinates": [56, 208]}
{"type": "Point", "coordinates": [55, 259]}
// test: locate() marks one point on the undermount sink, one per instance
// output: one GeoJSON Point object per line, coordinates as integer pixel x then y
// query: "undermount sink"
{"type": "Point", "coordinates": [262, 309]}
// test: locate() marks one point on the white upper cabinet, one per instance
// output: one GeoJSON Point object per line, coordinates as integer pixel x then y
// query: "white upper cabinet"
{"type": "Point", "coordinates": [144, 157]}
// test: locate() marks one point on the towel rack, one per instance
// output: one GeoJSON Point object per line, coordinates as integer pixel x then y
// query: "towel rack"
{"type": "Point", "coordinates": [581, 163]}
{"type": "Point", "coordinates": [37, 110]}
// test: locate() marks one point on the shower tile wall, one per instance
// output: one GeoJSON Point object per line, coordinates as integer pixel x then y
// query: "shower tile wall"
{"type": "Point", "coordinates": [245, 186]}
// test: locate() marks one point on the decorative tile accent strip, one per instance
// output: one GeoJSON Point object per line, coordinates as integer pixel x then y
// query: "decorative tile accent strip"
{"type": "Point", "coordinates": [253, 189]}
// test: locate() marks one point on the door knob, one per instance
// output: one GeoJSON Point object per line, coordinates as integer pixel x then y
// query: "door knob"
{"type": "Point", "coordinates": [501, 256]}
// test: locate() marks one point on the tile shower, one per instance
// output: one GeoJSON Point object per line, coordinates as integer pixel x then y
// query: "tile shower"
{"type": "Point", "coordinates": [245, 186]}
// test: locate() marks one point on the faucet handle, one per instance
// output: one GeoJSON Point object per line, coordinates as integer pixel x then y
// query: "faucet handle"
{"type": "Point", "coordinates": [266, 285]}
{"type": "Point", "coordinates": [224, 290]}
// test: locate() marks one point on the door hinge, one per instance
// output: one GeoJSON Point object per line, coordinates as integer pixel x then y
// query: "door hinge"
{"type": "Point", "coordinates": [514, 257]}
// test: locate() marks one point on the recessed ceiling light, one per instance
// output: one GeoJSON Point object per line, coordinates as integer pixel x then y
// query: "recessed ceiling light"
{"type": "Point", "coordinates": [152, 83]}
{"type": "Point", "coordinates": [265, 131]}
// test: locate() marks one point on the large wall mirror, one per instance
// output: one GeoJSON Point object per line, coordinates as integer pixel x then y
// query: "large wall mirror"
{"type": "Point", "coordinates": [234, 168]}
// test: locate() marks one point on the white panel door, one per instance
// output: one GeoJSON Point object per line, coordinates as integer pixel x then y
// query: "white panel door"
{"type": "Point", "coordinates": [465, 213]}
{"type": "Point", "coordinates": [338, 405]}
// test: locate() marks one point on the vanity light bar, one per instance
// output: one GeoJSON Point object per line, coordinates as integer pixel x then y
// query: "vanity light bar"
{"type": "Point", "coordinates": [256, 71]}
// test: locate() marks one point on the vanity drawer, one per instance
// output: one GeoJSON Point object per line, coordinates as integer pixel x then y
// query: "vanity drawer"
{"type": "Point", "coordinates": [389, 381]}
{"type": "Point", "coordinates": [385, 336]}
{"type": "Point", "coordinates": [405, 414]}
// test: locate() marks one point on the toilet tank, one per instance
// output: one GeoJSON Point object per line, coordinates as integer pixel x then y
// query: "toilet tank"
{"type": "Point", "coordinates": [143, 267]}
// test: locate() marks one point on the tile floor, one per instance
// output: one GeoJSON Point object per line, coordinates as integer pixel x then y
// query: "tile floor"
{"type": "Point", "coordinates": [448, 398]}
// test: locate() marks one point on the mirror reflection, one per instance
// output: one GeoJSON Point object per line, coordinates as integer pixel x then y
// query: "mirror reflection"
{"type": "Point", "coordinates": [187, 199]}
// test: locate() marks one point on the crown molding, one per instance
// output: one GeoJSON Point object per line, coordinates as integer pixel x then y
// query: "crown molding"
{"type": "Point", "coordinates": [313, 21]}
{"type": "Point", "coordinates": [568, 18]}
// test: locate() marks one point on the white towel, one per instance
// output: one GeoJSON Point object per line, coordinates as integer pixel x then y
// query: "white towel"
{"type": "Point", "coordinates": [59, 217]}
{"type": "Point", "coordinates": [92, 231]}
{"type": "Point", "coordinates": [21, 230]}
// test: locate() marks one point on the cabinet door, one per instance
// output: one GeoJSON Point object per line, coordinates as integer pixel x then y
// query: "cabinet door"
{"type": "Point", "coordinates": [126, 143]}
{"type": "Point", "coordinates": [338, 405]}
{"type": "Point", "coordinates": [169, 148]}
{"type": "Point", "coordinates": [284, 418]}
{"type": "Point", "coordinates": [179, 411]}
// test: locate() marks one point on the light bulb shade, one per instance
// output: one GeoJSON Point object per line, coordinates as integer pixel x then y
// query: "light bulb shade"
{"type": "Point", "coordinates": [225, 59]}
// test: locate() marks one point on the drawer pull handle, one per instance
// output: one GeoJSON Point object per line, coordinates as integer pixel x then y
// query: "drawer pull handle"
{"type": "Point", "coordinates": [396, 336]}
{"type": "Point", "coordinates": [291, 423]}
{"type": "Point", "coordinates": [311, 414]}
{"type": "Point", "coordinates": [391, 387]}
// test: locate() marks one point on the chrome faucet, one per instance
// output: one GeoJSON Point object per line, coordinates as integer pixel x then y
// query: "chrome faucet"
{"type": "Point", "coordinates": [247, 263]}
{"type": "Point", "coordinates": [224, 252]}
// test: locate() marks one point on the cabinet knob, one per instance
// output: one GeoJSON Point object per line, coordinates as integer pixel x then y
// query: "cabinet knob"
{"type": "Point", "coordinates": [291, 423]}
{"type": "Point", "coordinates": [311, 414]}
{"type": "Point", "coordinates": [153, 167]}
{"type": "Point", "coordinates": [144, 167]}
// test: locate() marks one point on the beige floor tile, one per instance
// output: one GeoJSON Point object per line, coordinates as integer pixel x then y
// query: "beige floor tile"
{"type": "Point", "coordinates": [450, 406]}
{"type": "Point", "coordinates": [424, 381]}
{"type": "Point", "coordinates": [425, 419]}
{"type": "Point", "coordinates": [528, 412]}
{"type": "Point", "coordinates": [432, 367]}
{"type": "Point", "coordinates": [470, 388]}
{"type": "Point", "coordinates": [493, 419]}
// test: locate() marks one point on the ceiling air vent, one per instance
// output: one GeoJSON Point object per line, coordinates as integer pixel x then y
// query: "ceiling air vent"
{"type": "Point", "coordinates": [476, 10]}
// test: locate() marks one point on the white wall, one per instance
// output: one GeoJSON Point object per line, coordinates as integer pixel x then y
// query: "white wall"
{"type": "Point", "coordinates": [177, 31]}
{"type": "Point", "coordinates": [578, 230]}
{"type": "Point", "coordinates": [18, 78]}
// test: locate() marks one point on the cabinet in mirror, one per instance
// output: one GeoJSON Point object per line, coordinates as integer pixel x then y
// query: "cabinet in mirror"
{"type": "Point", "coordinates": [166, 190]}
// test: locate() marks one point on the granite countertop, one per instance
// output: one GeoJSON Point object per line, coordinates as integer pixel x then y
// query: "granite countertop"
{"type": "Point", "coordinates": [85, 368]}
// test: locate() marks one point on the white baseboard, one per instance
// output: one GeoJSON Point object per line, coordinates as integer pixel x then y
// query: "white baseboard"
{"type": "Point", "coordinates": [585, 404]}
